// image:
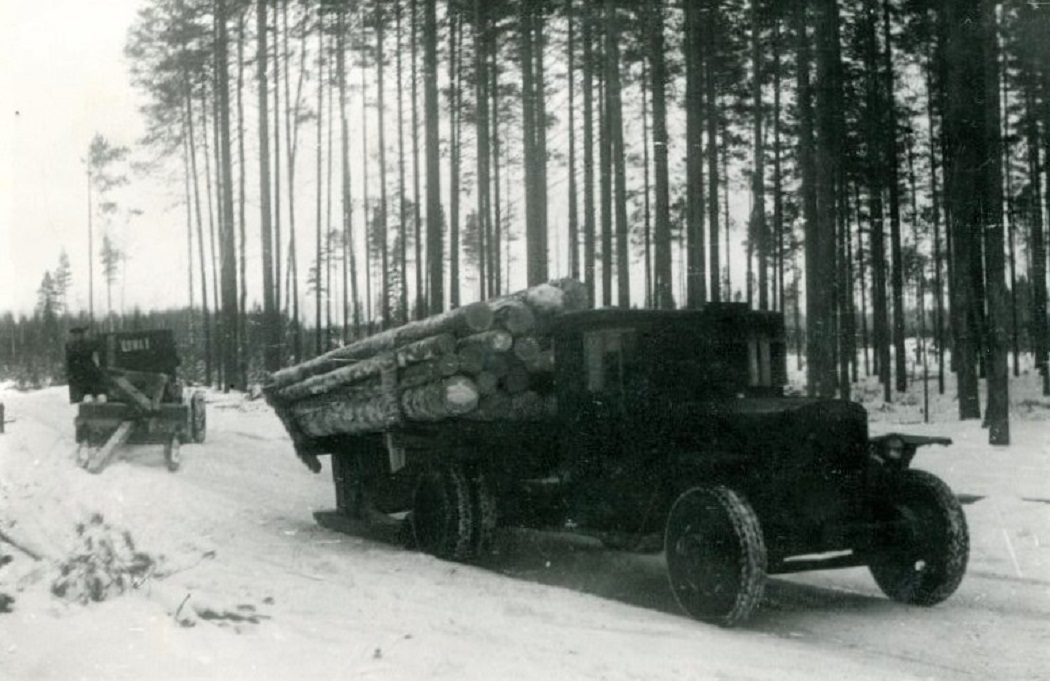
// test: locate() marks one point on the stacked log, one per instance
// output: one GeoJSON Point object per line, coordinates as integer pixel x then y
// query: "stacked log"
{"type": "Point", "coordinates": [486, 361]}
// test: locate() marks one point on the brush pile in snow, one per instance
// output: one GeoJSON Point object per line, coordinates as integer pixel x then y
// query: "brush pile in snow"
{"type": "Point", "coordinates": [5, 600]}
{"type": "Point", "coordinates": [486, 361]}
{"type": "Point", "coordinates": [103, 563]}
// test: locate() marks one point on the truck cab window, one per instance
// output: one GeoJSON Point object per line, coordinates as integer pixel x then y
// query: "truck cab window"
{"type": "Point", "coordinates": [608, 359]}
{"type": "Point", "coordinates": [760, 372]}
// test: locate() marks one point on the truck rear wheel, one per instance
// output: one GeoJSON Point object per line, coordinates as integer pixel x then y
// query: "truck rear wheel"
{"type": "Point", "coordinates": [443, 513]}
{"type": "Point", "coordinates": [924, 564]}
{"type": "Point", "coordinates": [716, 556]}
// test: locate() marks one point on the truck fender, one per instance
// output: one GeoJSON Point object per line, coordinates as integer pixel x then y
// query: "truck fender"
{"type": "Point", "coordinates": [898, 449]}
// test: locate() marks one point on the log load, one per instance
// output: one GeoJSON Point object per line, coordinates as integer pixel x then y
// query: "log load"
{"type": "Point", "coordinates": [487, 361]}
{"type": "Point", "coordinates": [468, 319]}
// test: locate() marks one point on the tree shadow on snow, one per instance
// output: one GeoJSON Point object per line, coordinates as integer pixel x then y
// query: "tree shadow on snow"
{"type": "Point", "coordinates": [788, 603]}
{"type": "Point", "coordinates": [584, 565]}
{"type": "Point", "coordinates": [640, 579]}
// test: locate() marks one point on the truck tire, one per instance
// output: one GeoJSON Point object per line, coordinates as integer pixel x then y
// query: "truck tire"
{"type": "Point", "coordinates": [443, 513]}
{"type": "Point", "coordinates": [925, 564]}
{"type": "Point", "coordinates": [716, 556]}
{"type": "Point", "coordinates": [198, 417]}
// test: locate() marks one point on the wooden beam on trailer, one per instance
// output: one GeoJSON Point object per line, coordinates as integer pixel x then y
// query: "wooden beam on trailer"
{"type": "Point", "coordinates": [100, 458]}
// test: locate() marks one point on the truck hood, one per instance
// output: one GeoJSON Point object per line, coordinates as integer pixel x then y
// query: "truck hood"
{"type": "Point", "coordinates": [761, 426]}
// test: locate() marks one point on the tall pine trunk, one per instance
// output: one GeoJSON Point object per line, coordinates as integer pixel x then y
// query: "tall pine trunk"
{"type": "Point", "coordinates": [573, 251]}
{"type": "Point", "coordinates": [696, 258]}
{"type": "Point", "coordinates": [383, 226]}
{"type": "Point", "coordinates": [935, 207]}
{"type": "Point", "coordinates": [821, 284]}
{"type": "Point", "coordinates": [892, 182]}
{"type": "Point", "coordinates": [589, 227]}
{"type": "Point", "coordinates": [350, 297]}
{"type": "Point", "coordinates": [964, 140]}
{"type": "Point", "coordinates": [998, 370]}
{"type": "Point", "coordinates": [417, 217]}
{"type": "Point", "coordinates": [270, 356]}
{"type": "Point", "coordinates": [1036, 236]}
{"type": "Point", "coordinates": [435, 247]}
{"type": "Point", "coordinates": [402, 209]}
{"type": "Point", "coordinates": [230, 315]}
{"type": "Point", "coordinates": [455, 27]}
{"type": "Point", "coordinates": [278, 320]}
{"type": "Point", "coordinates": [605, 150]}
{"type": "Point", "coordinates": [614, 105]}
{"type": "Point", "coordinates": [319, 342]}
{"type": "Point", "coordinates": [807, 168]}
{"type": "Point", "coordinates": [497, 165]}
{"type": "Point", "coordinates": [242, 178]}
{"type": "Point", "coordinates": [292, 136]}
{"type": "Point", "coordinates": [713, 117]}
{"type": "Point", "coordinates": [533, 143]}
{"type": "Point", "coordinates": [758, 175]}
{"type": "Point", "coordinates": [778, 172]}
{"type": "Point", "coordinates": [205, 313]}
{"type": "Point", "coordinates": [875, 178]}
{"type": "Point", "coordinates": [647, 223]}
{"type": "Point", "coordinates": [663, 285]}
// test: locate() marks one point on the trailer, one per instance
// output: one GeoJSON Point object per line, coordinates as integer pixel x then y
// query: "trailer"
{"type": "Point", "coordinates": [648, 429]}
{"type": "Point", "coordinates": [127, 392]}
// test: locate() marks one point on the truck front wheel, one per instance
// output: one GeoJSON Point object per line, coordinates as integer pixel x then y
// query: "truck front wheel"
{"type": "Point", "coordinates": [716, 556]}
{"type": "Point", "coordinates": [924, 563]}
{"type": "Point", "coordinates": [442, 513]}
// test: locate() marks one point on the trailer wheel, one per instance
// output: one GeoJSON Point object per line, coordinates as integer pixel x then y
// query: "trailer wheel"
{"type": "Point", "coordinates": [925, 563]}
{"type": "Point", "coordinates": [443, 513]}
{"type": "Point", "coordinates": [716, 556]}
{"type": "Point", "coordinates": [198, 417]}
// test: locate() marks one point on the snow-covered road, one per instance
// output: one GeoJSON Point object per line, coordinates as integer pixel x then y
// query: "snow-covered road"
{"type": "Point", "coordinates": [261, 591]}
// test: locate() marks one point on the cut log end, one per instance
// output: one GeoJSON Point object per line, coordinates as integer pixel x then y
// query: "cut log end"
{"type": "Point", "coordinates": [461, 395]}
{"type": "Point", "coordinates": [478, 317]}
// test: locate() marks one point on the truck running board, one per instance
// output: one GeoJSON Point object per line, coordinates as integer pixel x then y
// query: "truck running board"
{"type": "Point", "coordinates": [829, 561]}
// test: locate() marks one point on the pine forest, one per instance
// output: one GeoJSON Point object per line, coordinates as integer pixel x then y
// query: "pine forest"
{"type": "Point", "coordinates": [873, 169]}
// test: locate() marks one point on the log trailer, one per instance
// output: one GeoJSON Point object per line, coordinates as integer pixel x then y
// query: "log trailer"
{"type": "Point", "coordinates": [126, 391]}
{"type": "Point", "coordinates": [647, 429]}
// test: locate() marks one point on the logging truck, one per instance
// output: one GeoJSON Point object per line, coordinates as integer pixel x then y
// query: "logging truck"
{"type": "Point", "coordinates": [649, 430]}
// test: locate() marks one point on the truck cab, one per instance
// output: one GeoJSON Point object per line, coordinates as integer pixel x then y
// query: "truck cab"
{"type": "Point", "coordinates": [651, 401]}
{"type": "Point", "coordinates": [676, 433]}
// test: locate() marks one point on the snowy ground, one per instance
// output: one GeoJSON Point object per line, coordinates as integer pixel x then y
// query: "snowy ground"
{"type": "Point", "coordinates": [247, 586]}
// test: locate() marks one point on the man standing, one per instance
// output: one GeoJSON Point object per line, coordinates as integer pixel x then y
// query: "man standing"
{"type": "Point", "coordinates": [86, 379]}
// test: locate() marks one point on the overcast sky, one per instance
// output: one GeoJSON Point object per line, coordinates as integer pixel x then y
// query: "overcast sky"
{"type": "Point", "coordinates": [64, 78]}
